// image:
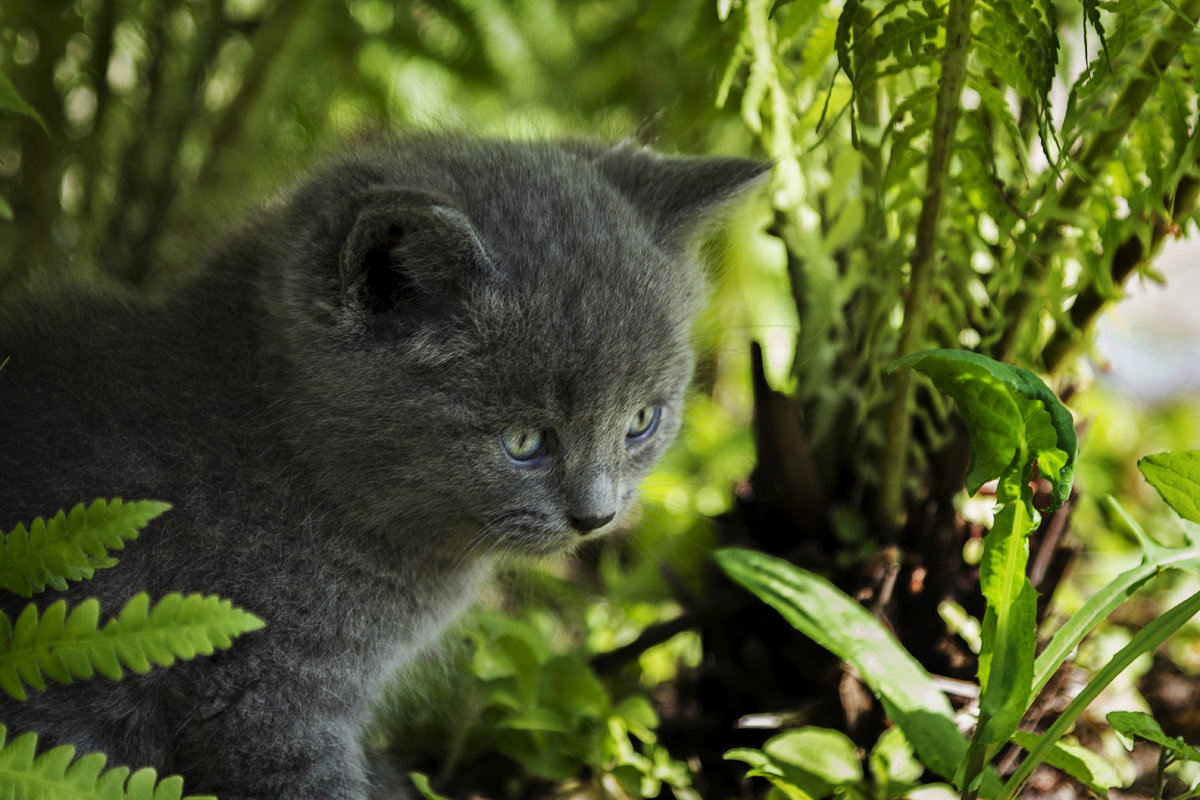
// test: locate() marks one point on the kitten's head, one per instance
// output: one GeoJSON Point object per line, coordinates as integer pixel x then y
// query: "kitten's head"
{"type": "Point", "coordinates": [490, 340]}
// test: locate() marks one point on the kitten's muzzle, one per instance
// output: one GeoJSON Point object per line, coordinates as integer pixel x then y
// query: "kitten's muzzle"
{"type": "Point", "coordinates": [585, 524]}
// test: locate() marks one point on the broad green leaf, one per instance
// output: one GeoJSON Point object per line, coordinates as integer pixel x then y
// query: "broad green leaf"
{"type": "Point", "coordinates": [1012, 418]}
{"type": "Point", "coordinates": [1129, 724]}
{"type": "Point", "coordinates": [508, 658]}
{"type": "Point", "coordinates": [806, 762]}
{"type": "Point", "coordinates": [1144, 641]}
{"type": "Point", "coordinates": [826, 755]}
{"type": "Point", "coordinates": [551, 757]}
{"type": "Point", "coordinates": [825, 614]}
{"type": "Point", "coordinates": [762, 767]}
{"type": "Point", "coordinates": [638, 716]}
{"type": "Point", "coordinates": [1089, 768]}
{"type": "Point", "coordinates": [894, 765]}
{"type": "Point", "coordinates": [537, 719]}
{"type": "Point", "coordinates": [11, 102]}
{"type": "Point", "coordinates": [566, 684]}
{"type": "Point", "coordinates": [1176, 476]}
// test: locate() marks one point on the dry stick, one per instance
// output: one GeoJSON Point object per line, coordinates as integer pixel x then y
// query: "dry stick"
{"type": "Point", "coordinates": [1075, 188]}
{"type": "Point", "coordinates": [916, 305]}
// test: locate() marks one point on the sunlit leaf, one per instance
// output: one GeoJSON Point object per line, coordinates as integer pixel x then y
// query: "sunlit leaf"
{"type": "Point", "coordinates": [1176, 476]}
{"type": "Point", "coordinates": [1129, 724]}
{"type": "Point", "coordinates": [1013, 420]}
{"type": "Point", "coordinates": [1009, 626]}
{"type": "Point", "coordinates": [809, 762]}
{"type": "Point", "coordinates": [421, 782]}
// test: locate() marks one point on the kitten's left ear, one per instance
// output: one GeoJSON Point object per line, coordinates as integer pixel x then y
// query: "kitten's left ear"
{"type": "Point", "coordinates": [678, 192]}
{"type": "Point", "coordinates": [409, 251]}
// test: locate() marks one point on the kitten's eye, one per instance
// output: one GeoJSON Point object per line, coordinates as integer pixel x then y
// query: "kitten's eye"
{"type": "Point", "coordinates": [523, 446]}
{"type": "Point", "coordinates": [643, 423]}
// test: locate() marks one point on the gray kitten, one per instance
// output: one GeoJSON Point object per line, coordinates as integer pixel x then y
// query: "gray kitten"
{"type": "Point", "coordinates": [430, 350]}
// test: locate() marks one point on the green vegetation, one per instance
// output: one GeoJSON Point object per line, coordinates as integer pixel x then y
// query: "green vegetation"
{"type": "Point", "coordinates": [1005, 448]}
{"type": "Point", "coordinates": [979, 177]}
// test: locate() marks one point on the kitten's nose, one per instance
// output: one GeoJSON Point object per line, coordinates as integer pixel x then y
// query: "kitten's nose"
{"type": "Point", "coordinates": [589, 524]}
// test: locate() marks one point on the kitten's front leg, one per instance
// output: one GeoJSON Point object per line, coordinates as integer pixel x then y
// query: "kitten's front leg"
{"type": "Point", "coordinates": [273, 759]}
{"type": "Point", "coordinates": [262, 731]}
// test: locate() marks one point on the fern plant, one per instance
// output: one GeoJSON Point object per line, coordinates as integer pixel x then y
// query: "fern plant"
{"type": "Point", "coordinates": [67, 645]}
{"type": "Point", "coordinates": [70, 547]}
{"type": "Point", "coordinates": [931, 194]}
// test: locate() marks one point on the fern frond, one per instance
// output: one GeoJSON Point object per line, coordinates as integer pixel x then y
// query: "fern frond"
{"type": "Point", "coordinates": [70, 547]}
{"type": "Point", "coordinates": [68, 647]}
{"type": "Point", "coordinates": [1018, 40]}
{"type": "Point", "coordinates": [1091, 17]}
{"type": "Point", "coordinates": [57, 773]}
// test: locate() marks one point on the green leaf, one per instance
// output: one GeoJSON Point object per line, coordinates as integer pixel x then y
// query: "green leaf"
{"type": "Point", "coordinates": [568, 685]}
{"type": "Point", "coordinates": [423, 786]}
{"type": "Point", "coordinates": [1129, 724]}
{"type": "Point", "coordinates": [6, 210]}
{"type": "Point", "coordinates": [1012, 418]}
{"type": "Point", "coordinates": [893, 764]}
{"type": "Point", "coordinates": [1091, 14]}
{"type": "Point", "coordinates": [71, 547]}
{"type": "Point", "coordinates": [66, 648]}
{"type": "Point", "coordinates": [537, 719]}
{"type": "Point", "coordinates": [1089, 768]}
{"type": "Point", "coordinates": [1009, 627]}
{"type": "Point", "coordinates": [639, 717]}
{"type": "Point", "coordinates": [806, 762]}
{"type": "Point", "coordinates": [1176, 476]}
{"type": "Point", "coordinates": [12, 103]}
{"type": "Point", "coordinates": [550, 757]}
{"type": "Point", "coordinates": [825, 614]}
{"type": "Point", "coordinates": [56, 773]}
{"type": "Point", "coordinates": [823, 755]}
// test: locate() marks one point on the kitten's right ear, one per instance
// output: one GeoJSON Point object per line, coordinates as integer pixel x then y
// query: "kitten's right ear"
{"type": "Point", "coordinates": [677, 193]}
{"type": "Point", "coordinates": [409, 250]}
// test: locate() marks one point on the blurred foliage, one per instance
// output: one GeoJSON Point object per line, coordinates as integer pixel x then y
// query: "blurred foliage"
{"type": "Point", "coordinates": [167, 117]}
{"type": "Point", "coordinates": [511, 693]}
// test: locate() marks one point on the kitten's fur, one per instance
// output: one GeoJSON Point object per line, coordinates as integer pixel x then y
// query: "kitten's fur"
{"type": "Point", "coordinates": [324, 406]}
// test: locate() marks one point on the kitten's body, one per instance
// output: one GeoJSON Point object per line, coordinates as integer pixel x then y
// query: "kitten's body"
{"type": "Point", "coordinates": [324, 406]}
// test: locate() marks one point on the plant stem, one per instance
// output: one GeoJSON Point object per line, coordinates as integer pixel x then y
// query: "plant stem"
{"type": "Point", "coordinates": [1160, 776]}
{"type": "Point", "coordinates": [916, 304]}
{"type": "Point", "coordinates": [1089, 163]}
